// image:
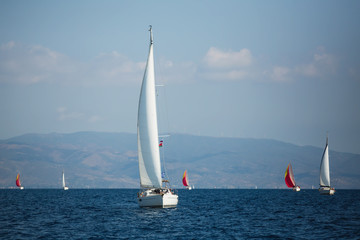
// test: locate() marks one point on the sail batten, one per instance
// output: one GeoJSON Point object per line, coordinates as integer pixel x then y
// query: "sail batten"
{"type": "Point", "coordinates": [147, 129]}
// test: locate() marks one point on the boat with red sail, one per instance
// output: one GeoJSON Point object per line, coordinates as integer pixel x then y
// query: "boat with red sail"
{"type": "Point", "coordinates": [290, 180]}
{"type": "Point", "coordinates": [185, 181]}
{"type": "Point", "coordinates": [18, 183]}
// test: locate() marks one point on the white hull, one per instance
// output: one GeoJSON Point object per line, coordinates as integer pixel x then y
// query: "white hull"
{"type": "Point", "coordinates": [162, 198]}
{"type": "Point", "coordinates": [296, 189]}
{"type": "Point", "coordinates": [21, 188]}
{"type": "Point", "coordinates": [326, 191]}
{"type": "Point", "coordinates": [66, 188]}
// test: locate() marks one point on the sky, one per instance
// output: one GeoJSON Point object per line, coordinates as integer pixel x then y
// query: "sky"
{"type": "Point", "coordinates": [284, 70]}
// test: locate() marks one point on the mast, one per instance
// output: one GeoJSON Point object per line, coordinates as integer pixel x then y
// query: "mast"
{"type": "Point", "coordinates": [151, 35]}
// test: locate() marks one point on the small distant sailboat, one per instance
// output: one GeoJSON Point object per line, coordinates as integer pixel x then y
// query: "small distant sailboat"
{"type": "Point", "coordinates": [325, 188]}
{"type": "Point", "coordinates": [152, 193]}
{"type": "Point", "coordinates": [185, 181]}
{"type": "Point", "coordinates": [63, 182]}
{"type": "Point", "coordinates": [290, 180]}
{"type": "Point", "coordinates": [18, 183]}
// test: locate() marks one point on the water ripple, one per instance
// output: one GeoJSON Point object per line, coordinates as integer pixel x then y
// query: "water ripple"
{"type": "Point", "coordinates": [201, 214]}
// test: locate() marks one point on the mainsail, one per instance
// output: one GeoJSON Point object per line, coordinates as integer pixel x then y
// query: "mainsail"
{"type": "Point", "coordinates": [63, 180]}
{"type": "Point", "coordinates": [324, 167]}
{"type": "Point", "coordinates": [185, 180]}
{"type": "Point", "coordinates": [18, 183]}
{"type": "Point", "coordinates": [147, 129]}
{"type": "Point", "coordinates": [289, 177]}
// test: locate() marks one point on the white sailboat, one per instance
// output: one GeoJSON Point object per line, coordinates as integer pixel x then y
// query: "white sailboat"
{"type": "Point", "coordinates": [63, 182]}
{"type": "Point", "coordinates": [325, 187]}
{"type": "Point", "coordinates": [152, 193]}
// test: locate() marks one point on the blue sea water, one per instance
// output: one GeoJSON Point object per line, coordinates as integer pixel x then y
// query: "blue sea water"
{"type": "Point", "coordinates": [200, 214]}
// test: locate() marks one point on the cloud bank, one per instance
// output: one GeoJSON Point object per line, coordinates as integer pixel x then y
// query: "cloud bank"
{"type": "Point", "coordinates": [321, 65]}
{"type": "Point", "coordinates": [217, 58]}
{"type": "Point", "coordinates": [21, 64]}
{"type": "Point", "coordinates": [228, 65]}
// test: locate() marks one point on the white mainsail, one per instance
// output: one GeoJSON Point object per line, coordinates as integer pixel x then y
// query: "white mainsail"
{"type": "Point", "coordinates": [63, 180]}
{"type": "Point", "coordinates": [324, 167]}
{"type": "Point", "coordinates": [147, 129]}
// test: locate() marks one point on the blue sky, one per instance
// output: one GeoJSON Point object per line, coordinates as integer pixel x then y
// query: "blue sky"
{"type": "Point", "coordinates": [286, 70]}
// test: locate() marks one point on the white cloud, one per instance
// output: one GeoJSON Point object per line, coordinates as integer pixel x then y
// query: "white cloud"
{"type": "Point", "coordinates": [64, 114]}
{"type": "Point", "coordinates": [217, 58]}
{"type": "Point", "coordinates": [21, 64]}
{"type": "Point", "coordinates": [7, 46]}
{"type": "Point", "coordinates": [31, 64]}
{"type": "Point", "coordinates": [280, 74]}
{"type": "Point", "coordinates": [227, 65]}
{"type": "Point", "coordinates": [322, 64]}
{"type": "Point", "coordinates": [61, 109]}
{"type": "Point", "coordinates": [307, 69]}
{"type": "Point", "coordinates": [94, 119]}
{"type": "Point", "coordinates": [175, 72]}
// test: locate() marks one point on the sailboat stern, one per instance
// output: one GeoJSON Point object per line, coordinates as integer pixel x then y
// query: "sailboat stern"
{"type": "Point", "coordinates": [161, 198]}
{"type": "Point", "coordinates": [327, 190]}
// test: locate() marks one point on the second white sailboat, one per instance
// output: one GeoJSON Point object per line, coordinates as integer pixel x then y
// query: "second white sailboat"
{"type": "Point", "coordinates": [325, 188]}
{"type": "Point", "coordinates": [63, 182]}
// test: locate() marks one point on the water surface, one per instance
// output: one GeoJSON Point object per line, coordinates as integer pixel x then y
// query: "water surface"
{"type": "Point", "coordinates": [200, 214]}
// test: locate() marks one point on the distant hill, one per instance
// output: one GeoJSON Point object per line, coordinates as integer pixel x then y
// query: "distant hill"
{"type": "Point", "coordinates": [109, 160]}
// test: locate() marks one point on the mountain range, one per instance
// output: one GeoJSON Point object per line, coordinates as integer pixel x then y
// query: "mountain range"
{"type": "Point", "coordinates": [109, 160]}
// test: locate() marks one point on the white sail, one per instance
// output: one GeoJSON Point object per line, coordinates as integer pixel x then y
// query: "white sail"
{"type": "Point", "coordinates": [147, 129]}
{"type": "Point", "coordinates": [63, 180]}
{"type": "Point", "coordinates": [324, 167]}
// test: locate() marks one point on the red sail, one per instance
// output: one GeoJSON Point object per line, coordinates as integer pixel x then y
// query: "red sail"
{"type": "Point", "coordinates": [289, 177]}
{"type": "Point", "coordinates": [184, 180]}
{"type": "Point", "coordinates": [18, 180]}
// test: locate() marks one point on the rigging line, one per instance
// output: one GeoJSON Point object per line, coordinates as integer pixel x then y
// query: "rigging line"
{"type": "Point", "coordinates": [162, 83]}
{"type": "Point", "coordinates": [166, 111]}
{"type": "Point", "coordinates": [162, 113]}
{"type": "Point", "coordinates": [165, 170]}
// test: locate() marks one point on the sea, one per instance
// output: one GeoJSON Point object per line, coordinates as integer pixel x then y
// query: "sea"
{"type": "Point", "coordinates": [200, 214]}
